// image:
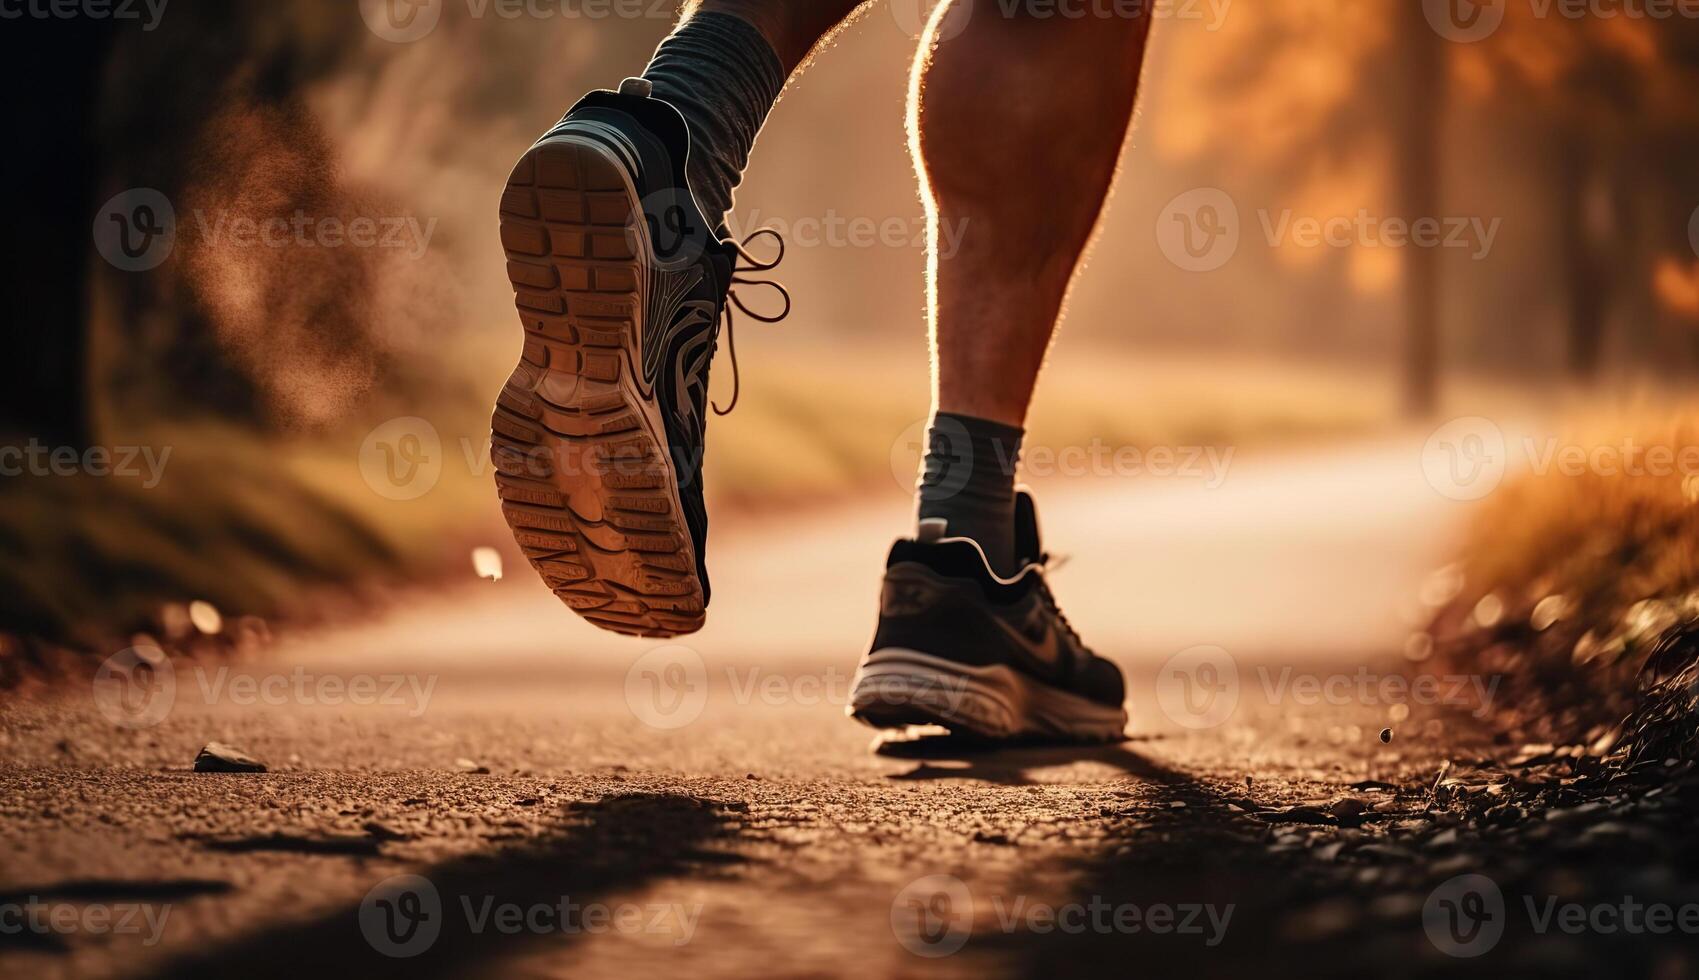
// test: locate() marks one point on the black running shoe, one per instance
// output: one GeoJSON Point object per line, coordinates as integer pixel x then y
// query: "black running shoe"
{"type": "Point", "coordinates": [598, 435]}
{"type": "Point", "coordinates": [961, 648]}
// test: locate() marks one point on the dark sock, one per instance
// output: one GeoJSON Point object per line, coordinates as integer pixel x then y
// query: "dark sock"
{"type": "Point", "coordinates": [969, 480]}
{"type": "Point", "coordinates": [723, 77]}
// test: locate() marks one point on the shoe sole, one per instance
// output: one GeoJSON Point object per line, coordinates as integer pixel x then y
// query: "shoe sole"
{"type": "Point", "coordinates": [895, 688]}
{"type": "Point", "coordinates": [582, 468]}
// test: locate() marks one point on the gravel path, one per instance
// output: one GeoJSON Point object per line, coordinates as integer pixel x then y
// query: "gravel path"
{"type": "Point", "coordinates": [481, 782]}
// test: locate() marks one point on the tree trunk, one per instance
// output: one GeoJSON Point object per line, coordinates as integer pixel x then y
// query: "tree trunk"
{"type": "Point", "coordinates": [1583, 219]}
{"type": "Point", "coordinates": [1417, 175]}
{"type": "Point", "coordinates": [51, 71]}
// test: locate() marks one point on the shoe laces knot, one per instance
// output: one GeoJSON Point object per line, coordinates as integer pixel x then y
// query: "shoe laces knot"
{"type": "Point", "coordinates": [741, 277]}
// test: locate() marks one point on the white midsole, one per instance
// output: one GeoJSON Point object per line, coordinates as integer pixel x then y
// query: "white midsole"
{"type": "Point", "coordinates": [995, 701]}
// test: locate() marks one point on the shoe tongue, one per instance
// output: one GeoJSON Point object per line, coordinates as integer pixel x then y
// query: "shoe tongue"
{"type": "Point", "coordinates": [932, 530]}
{"type": "Point", "coordinates": [1028, 547]}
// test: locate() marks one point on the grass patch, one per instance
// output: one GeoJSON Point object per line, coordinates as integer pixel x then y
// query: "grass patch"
{"type": "Point", "coordinates": [1573, 580]}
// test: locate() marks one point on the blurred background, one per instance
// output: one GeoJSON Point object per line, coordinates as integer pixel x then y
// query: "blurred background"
{"type": "Point", "coordinates": [1249, 287]}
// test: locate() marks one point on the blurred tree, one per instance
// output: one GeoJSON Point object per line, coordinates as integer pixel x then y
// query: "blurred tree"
{"type": "Point", "coordinates": [51, 71]}
{"type": "Point", "coordinates": [1340, 103]}
{"type": "Point", "coordinates": [1418, 175]}
{"type": "Point", "coordinates": [1609, 99]}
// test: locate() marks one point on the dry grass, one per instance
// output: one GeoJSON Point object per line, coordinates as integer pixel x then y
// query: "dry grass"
{"type": "Point", "coordinates": [1573, 578]}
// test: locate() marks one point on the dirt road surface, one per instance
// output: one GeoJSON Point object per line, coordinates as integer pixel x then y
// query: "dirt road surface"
{"type": "Point", "coordinates": [481, 784]}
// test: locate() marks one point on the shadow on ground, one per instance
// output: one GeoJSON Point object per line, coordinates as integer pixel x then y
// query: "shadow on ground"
{"type": "Point", "coordinates": [1546, 868]}
{"type": "Point", "coordinates": [604, 848]}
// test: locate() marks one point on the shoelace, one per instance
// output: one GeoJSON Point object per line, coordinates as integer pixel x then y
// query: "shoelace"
{"type": "Point", "coordinates": [740, 278]}
{"type": "Point", "coordinates": [1049, 598]}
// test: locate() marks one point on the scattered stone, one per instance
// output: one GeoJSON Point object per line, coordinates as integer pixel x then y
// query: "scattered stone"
{"type": "Point", "coordinates": [1504, 815]}
{"type": "Point", "coordinates": [1441, 840]}
{"type": "Point", "coordinates": [1348, 808]}
{"type": "Point", "coordinates": [218, 757]}
{"type": "Point", "coordinates": [206, 617]}
{"type": "Point", "coordinates": [1385, 852]}
{"type": "Point", "coordinates": [1296, 814]}
{"type": "Point", "coordinates": [468, 766]}
{"type": "Point", "coordinates": [1373, 784]}
{"type": "Point", "coordinates": [384, 831]}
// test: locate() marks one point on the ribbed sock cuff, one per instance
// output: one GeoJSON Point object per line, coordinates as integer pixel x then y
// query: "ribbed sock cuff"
{"type": "Point", "coordinates": [969, 480]}
{"type": "Point", "coordinates": [720, 73]}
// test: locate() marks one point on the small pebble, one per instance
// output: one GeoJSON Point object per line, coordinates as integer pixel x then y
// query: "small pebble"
{"type": "Point", "coordinates": [218, 757]}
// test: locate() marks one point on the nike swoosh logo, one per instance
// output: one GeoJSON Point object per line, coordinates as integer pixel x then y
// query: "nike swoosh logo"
{"type": "Point", "coordinates": [1048, 653]}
